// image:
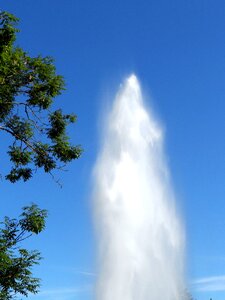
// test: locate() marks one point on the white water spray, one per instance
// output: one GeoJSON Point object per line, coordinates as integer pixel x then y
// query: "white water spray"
{"type": "Point", "coordinates": [139, 234]}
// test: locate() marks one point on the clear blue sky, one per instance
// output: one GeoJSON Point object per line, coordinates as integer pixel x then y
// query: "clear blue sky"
{"type": "Point", "coordinates": [177, 49]}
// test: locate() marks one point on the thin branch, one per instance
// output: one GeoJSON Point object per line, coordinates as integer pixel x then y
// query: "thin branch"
{"type": "Point", "coordinates": [32, 111]}
{"type": "Point", "coordinates": [26, 237]}
{"type": "Point", "coordinates": [18, 137]}
{"type": "Point", "coordinates": [57, 181]}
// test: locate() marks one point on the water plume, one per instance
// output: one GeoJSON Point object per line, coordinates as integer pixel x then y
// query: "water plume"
{"type": "Point", "coordinates": [140, 237]}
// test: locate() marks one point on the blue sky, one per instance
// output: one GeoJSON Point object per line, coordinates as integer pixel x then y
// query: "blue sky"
{"type": "Point", "coordinates": [177, 49]}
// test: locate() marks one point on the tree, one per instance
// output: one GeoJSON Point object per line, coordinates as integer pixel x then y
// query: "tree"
{"type": "Point", "coordinates": [38, 139]}
{"type": "Point", "coordinates": [15, 261]}
{"type": "Point", "coordinates": [28, 86]}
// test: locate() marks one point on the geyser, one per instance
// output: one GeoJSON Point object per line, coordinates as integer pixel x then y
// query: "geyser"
{"type": "Point", "coordinates": [139, 234]}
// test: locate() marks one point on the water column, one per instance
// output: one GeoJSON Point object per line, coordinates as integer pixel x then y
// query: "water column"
{"type": "Point", "coordinates": [140, 237]}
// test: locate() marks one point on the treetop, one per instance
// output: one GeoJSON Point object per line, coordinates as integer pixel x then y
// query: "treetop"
{"type": "Point", "coordinates": [28, 87]}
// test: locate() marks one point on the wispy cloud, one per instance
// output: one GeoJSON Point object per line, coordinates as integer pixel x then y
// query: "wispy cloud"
{"type": "Point", "coordinates": [65, 290]}
{"type": "Point", "coordinates": [73, 270]}
{"type": "Point", "coordinates": [85, 273]}
{"type": "Point", "coordinates": [63, 293]}
{"type": "Point", "coordinates": [208, 284]}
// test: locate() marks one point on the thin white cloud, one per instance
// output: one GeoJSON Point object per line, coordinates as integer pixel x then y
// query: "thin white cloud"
{"type": "Point", "coordinates": [75, 271]}
{"type": "Point", "coordinates": [85, 273]}
{"type": "Point", "coordinates": [63, 293]}
{"type": "Point", "coordinates": [209, 284]}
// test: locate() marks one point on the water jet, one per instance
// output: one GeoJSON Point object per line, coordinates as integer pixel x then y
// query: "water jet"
{"type": "Point", "coordinates": [140, 236]}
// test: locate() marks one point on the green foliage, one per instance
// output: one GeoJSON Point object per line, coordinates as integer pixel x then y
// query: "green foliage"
{"type": "Point", "coordinates": [18, 173]}
{"type": "Point", "coordinates": [28, 86]}
{"type": "Point", "coordinates": [16, 262]}
{"type": "Point", "coordinates": [7, 30]}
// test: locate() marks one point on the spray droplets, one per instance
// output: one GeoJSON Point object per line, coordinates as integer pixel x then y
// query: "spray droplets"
{"type": "Point", "coordinates": [139, 234]}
